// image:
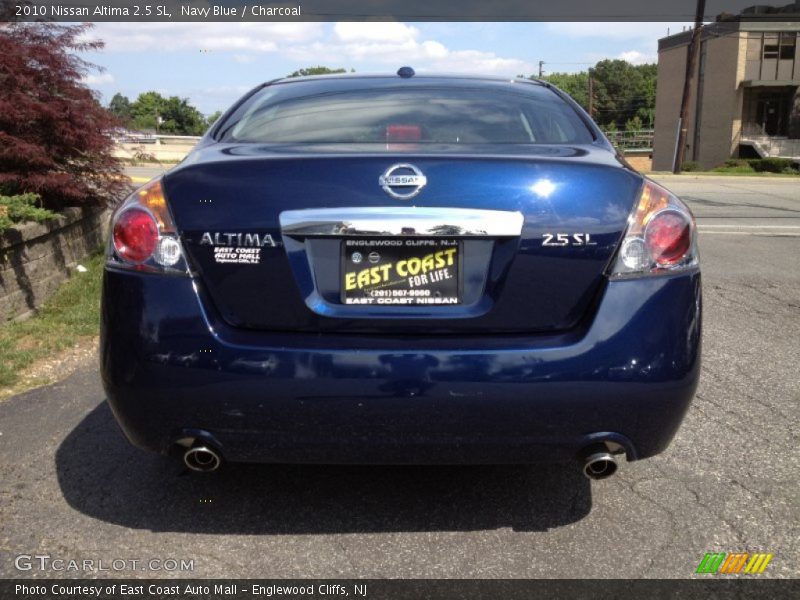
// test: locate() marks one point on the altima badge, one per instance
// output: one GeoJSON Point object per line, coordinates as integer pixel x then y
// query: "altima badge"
{"type": "Point", "coordinates": [240, 240]}
{"type": "Point", "coordinates": [402, 181]}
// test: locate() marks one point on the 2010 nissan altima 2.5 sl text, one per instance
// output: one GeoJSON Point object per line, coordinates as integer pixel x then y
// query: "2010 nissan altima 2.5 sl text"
{"type": "Point", "coordinates": [402, 269]}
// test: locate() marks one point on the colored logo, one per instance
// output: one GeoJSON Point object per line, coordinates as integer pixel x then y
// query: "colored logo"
{"type": "Point", "coordinates": [735, 562]}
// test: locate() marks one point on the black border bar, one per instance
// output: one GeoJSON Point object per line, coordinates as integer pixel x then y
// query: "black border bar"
{"type": "Point", "coordinates": [385, 10]}
{"type": "Point", "coordinates": [708, 588]}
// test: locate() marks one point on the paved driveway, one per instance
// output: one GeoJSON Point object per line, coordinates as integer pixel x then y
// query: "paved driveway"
{"type": "Point", "coordinates": [71, 487]}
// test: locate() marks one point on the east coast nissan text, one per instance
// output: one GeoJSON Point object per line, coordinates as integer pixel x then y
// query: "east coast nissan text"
{"type": "Point", "coordinates": [402, 269]}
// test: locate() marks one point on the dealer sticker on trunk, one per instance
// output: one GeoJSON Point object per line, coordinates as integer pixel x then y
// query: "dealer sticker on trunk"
{"type": "Point", "coordinates": [400, 271]}
{"type": "Point", "coordinates": [238, 248]}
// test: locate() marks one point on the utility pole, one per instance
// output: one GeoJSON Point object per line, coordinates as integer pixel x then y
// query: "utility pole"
{"type": "Point", "coordinates": [691, 62]}
{"type": "Point", "coordinates": [541, 70]}
{"type": "Point", "coordinates": [591, 95]}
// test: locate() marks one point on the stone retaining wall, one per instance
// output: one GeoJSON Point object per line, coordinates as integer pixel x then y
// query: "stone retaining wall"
{"type": "Point", "coordinates": [36, 257]}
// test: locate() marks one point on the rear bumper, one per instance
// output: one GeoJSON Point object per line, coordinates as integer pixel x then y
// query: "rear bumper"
{"type": "Point", "coordinates": [170, 366]}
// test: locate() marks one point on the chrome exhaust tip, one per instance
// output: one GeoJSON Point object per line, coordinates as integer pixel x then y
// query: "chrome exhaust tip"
{"type": "Point", "coordinates": [202, 459]}
{"type": "Point", "coordinates": [599, 465]}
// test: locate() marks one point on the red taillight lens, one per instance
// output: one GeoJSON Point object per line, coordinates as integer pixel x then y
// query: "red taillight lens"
{"type": "Point", "coordinates": [668, 236]}
{"type": "Point", "coordinates": [135, 235]}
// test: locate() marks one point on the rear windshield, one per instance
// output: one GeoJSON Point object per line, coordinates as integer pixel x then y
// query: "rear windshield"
{"type": "Point", "coordinates": [419, 115]}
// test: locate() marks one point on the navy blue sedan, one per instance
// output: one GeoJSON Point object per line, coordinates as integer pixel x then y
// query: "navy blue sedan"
{"type": "Point", "coordinates": [402, 269]}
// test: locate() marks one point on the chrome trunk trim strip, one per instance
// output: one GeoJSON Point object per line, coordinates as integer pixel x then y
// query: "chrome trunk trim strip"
{"type": "Point", "coordinates": [401, 221]}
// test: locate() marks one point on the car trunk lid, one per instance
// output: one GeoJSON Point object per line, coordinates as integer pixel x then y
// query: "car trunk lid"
{"type": "Point", "coordinates": [534, 229]}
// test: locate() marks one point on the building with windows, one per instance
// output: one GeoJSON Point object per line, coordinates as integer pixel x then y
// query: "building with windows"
{"type": "Point", "coordinates": [745, 100]}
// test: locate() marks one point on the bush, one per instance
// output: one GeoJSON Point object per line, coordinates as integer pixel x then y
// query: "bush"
{"type": "Point", "coordinates": [690, 165]}
{"type": "Point", "coordinates": [23, 207]}
{"type": "Point", "coordinates": [737, 163]}
{"type": "Point", "coordinates": [54, 135]}
{"type": "Point", "coordinates": [734, 165]}
{"type": "Point", "coordinates": [140, 156]}
{"type": "Point", "coordinates": [772, 165]}
{"type": "Point", "coordinates": [741, 170]}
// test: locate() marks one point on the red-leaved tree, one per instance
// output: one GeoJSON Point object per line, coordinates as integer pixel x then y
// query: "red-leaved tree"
{"type": "Point", "coordinates": [54, 134]}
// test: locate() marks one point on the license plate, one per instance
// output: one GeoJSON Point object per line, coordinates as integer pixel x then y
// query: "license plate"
{"type": "Point", "coordinates": [401, 271]}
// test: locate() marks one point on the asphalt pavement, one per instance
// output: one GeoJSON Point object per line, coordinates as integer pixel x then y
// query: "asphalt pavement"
{"type": "Point", "coordinates": [72, 488]}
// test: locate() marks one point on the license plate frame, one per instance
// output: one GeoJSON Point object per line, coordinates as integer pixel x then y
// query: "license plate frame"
{"type": "Point", "coordinates": [418, 272]}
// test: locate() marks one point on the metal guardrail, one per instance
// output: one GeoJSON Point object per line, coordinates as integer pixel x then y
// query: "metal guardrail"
{"type": "Point", "coordinates": [159, 139]}
{"type": "Point", "coordinates": [179, 139]}
{"type": "Point", "coordinates": [639, 140]}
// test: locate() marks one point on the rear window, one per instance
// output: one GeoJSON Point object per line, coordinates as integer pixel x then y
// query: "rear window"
{"type": "Point", "coordinates": [420, 115]}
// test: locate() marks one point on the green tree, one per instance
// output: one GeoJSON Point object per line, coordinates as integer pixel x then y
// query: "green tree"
{"type": "Point", "coordinates": [174, 115]}
{"type": "Point", "coordinates": [146, 110]}
{"type": "Point", "coordinates": [618, 90]}
{"type": "Point", "coordinates": [647, 94]}
{"type": "Point", "coordinates": [120, 107]}
{"type": "Point", "coordinates": [634, 124]}
{"type": "Point", "coordinates": [181, 118]}
{"type": "Point", "coordinates": [317, 71]}
{"type": "Point", "coordinates": [574, 84]}
{"type": "Point", "coordinates": [212, 118]}
{"type": "Point", "coordinates": [622, 91]}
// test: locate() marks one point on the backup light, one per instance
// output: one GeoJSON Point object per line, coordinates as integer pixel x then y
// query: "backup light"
{"type": "Point", "coordinates": [660, 237]}
{"type": "Point", "coordinates": [167, 252]}
{"type": "Point", "coordinates": [634, 254]}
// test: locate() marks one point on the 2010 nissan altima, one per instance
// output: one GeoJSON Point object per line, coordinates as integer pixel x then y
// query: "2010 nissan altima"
{"type": "Point", "coordinates": [402, 269]}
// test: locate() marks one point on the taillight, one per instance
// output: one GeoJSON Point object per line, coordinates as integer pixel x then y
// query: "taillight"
{"type": "Point", "coordinates": [660, 237]}
{"type": "Point", "coordinates": [668, 236]}
{"type": "Point", "coordinates": [143, 234]}
{"type": "Point", "coordinates": [135, 235]}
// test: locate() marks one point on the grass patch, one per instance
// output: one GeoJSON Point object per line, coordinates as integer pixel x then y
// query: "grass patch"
{"type": "Point", "coordinates": [736, 170]}
{"type": "Point", "coordinates": [753, 167]}
{"type": "Point", "coordinates": [741, 172]}
{"type": "Point", "coordinates": [70, 316]}
{"type": "Point", "coordinates": [758, 166]}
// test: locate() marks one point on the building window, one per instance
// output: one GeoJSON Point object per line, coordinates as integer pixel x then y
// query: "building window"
{"type": "Point", "coordinates": [788, 43]}
{"type": "Point", "coordinates": [771, 46]}
{"type": "Point", "coordinates": [754, 47]}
